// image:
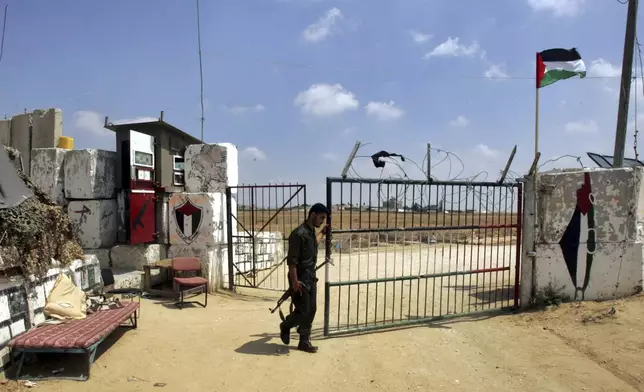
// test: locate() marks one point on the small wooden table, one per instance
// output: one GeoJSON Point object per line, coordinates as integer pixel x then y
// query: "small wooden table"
{"type": "Point", "coordinates": [165, 266]}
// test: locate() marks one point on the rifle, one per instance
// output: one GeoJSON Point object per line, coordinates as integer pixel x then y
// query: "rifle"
{"type": "Point", "coordinates": [288, 293]}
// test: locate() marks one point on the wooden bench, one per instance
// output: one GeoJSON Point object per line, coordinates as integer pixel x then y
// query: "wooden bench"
{"type": "Point", "coordinates": [75, 336]}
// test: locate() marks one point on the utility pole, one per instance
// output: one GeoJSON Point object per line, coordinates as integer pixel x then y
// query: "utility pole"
{"type": "Point", "coordinates": [200, 66]}
{"type": "Point", "coordinates": [625, 89]}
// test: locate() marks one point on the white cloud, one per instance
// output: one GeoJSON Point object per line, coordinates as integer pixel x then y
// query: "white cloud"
{"type": "Point", "coordinates": [582, 127]}
{"type": "Point", "coordinates": [603, 68]}
{"type": "Point", "coordinates": [349, 130]}
{"type": "Point", "coordinates": [460, 121]}
{"type": "Point", "coordinates": [245, 109]}
{"type": "Point", "coordinates": [486, 151]}
{"type": "Point", "coordinates": [329, 156]}
{"type": "Point", "coordinates": [324, 27]}
{"type": "Point", "coordinates": [89, 121]}
{"type": "Point", "coordinates": [384, 110]}
{"type": "Point", "coordinates": [496, 72]}
{"type": "Point", "coordinates": [324, 100]}
{"type": "Point", "coordinates": [452, 47]}
{"type": "Point", "coordinates": [419, 37]}
{"type": "Point", "coordinates": [558, 7]}
{"type": "Point", "coordinates": [254, 153]}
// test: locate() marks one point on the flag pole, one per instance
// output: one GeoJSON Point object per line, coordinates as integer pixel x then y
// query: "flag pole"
{"type": "Point", "coordinates": [536, 110]}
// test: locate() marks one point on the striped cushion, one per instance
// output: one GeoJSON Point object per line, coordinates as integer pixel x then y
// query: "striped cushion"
{"type": "Point", "coordinates": [76, 333]}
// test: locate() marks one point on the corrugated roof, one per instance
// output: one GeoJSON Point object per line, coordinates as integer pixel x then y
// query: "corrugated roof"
{"type": "Point", "coordinates": [140, 126]}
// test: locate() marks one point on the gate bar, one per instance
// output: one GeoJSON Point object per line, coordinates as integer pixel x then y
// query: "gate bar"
{"type": "Point", "coordinates": [517, 267]}
{"type": "Point", "coordinates": [229, 235]}
{"type": "Point", "coordinates": [282, 208]}
{"type": "Point", "coordinates": [392, 181]}
{"type": "Point", "coordinates": [385, 324]}
{"type": "Point", "coordinates": [327, 254]}
{"type": "Point", "coordinates": [426, 228]}
{"type": "Point", "coordinates": [416, 277]}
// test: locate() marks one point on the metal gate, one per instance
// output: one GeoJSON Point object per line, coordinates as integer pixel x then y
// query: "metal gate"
{"type": "Point", "coordinates": [260, 219]}
{"type": "Point", "coordinates": [412, 251]}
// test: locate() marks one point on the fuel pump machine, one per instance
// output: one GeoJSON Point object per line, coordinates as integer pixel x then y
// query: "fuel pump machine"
{"type": "Point", "coordinates": [138, 188]}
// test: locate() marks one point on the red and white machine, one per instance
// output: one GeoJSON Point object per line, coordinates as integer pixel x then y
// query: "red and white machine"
{"type": "Point", "coordinates": [139, 188]}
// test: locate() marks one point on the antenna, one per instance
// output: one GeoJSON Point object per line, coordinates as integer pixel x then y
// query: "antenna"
{"type": "Point", "coordinates": [200, 67]}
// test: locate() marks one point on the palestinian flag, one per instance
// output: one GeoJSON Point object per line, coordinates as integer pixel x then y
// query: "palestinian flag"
{"type": "Point", "coordinates": [558, 64]}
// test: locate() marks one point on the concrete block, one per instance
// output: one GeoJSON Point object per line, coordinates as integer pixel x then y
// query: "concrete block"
{"type": "Point", "coordinates": [47, 128]}
{"type": "Point", "coordinates": [198, 219]}
{"type": "Point", "coordinates": [121, 221]}
{"type": "Point", "coordinates": [47, 172]}
{"type": "Point", "coordinates": [134, 257]}
{"type": "Point", "coordinates": [103, 256]}
{"type": "Point", "coordinates": [95, 222]}
{"type": "Point", "coordinates": [205, 168]}
{"type": "Point", "coordinates": [214, 262]}
{"type": "Point", "coordinates": [21, 137]}
{"type": "Point", "coordinates": [128, 279]}
{"type": "Point", "coordinates": [232, 165]}
{"type": "Point", "coordinates": [5, 133]}
{"type": "Point", "coordinates": [90, 174]}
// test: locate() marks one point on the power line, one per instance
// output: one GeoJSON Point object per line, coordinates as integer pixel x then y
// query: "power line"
{"type": "Point", "coordinates": [4, 28]}
{"type": "Point", "coordinates": [276, 63]}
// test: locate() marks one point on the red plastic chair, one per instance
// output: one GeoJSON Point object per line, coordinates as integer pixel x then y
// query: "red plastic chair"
{"type": "Point", "coordinates": [189, 285]}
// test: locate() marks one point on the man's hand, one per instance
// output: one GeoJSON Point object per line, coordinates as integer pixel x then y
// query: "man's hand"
{"type": "Point", "coordinates": [297, 287]}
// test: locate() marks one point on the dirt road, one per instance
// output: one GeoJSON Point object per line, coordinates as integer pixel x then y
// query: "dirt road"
{"type": "Point", "coordinates": [232, 345]}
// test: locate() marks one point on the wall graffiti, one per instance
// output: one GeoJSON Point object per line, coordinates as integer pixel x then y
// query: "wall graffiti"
{"type": "Point", "coordinates": [578, 242]}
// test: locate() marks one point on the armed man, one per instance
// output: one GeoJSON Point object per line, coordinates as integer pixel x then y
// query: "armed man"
{"type": "Point", "coordinates": [301, 259]}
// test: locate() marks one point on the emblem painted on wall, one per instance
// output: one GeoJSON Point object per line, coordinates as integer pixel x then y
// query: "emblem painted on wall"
{"type": "Point", "coordinates": [188, 217]}
{"type": "Point", "coordinates": [578, 242]}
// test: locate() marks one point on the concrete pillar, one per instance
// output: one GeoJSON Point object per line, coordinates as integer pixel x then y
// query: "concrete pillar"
{"type": "Point", "coordinates": [527, 242]}
{"type": "Point", "coordinates": [47, 128]}
{"type": "Point", "coordinates": [21, 138]}
{"type": "Point", "coordinates": [5, 132]}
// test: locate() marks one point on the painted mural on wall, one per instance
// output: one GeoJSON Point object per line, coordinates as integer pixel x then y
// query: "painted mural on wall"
{"type": "Point", "coordinates": [197, 219]}
{"type": "Point", "coordinates": [578, 242]}
{"type": "Point", "coordinates": [188, 217]}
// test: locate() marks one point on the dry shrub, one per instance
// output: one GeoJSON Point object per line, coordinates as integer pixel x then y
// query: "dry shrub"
{"type": "Point", "coordinates": [35, 232]}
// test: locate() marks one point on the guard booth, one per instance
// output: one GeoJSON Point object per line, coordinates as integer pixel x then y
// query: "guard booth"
{"type": "Point", "coordinates": [149, 167]}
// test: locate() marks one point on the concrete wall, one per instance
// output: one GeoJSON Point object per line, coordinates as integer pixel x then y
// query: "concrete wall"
{"type": "Point", "coordinates": [584, 239]}
{"type": "Point", "coordinates": [21, 308]}
{"type": "Point", "coordinates": [39, 129]}
{"type": "Point", "coordinates": [269, 250]}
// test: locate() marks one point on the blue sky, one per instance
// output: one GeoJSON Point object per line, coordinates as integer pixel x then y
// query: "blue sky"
{"type": "Point", "coordinates": [294, 83]}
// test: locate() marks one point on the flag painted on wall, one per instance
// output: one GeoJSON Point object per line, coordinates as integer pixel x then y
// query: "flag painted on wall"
{"type": "Point", "coordinates": [554, 65]}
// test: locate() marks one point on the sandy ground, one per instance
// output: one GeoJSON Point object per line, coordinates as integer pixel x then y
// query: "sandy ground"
{"type": "Point", "coordinates": [233, 345]}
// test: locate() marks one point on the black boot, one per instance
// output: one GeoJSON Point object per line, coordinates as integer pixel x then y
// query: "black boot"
{"type": "Point", "coordinates": [285, 335]}
{"type": "Point", "coordinates": [306, 346]}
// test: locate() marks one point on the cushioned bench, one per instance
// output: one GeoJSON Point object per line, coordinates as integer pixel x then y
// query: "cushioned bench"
{"type": "Point", "coordinates": [75, 336]}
